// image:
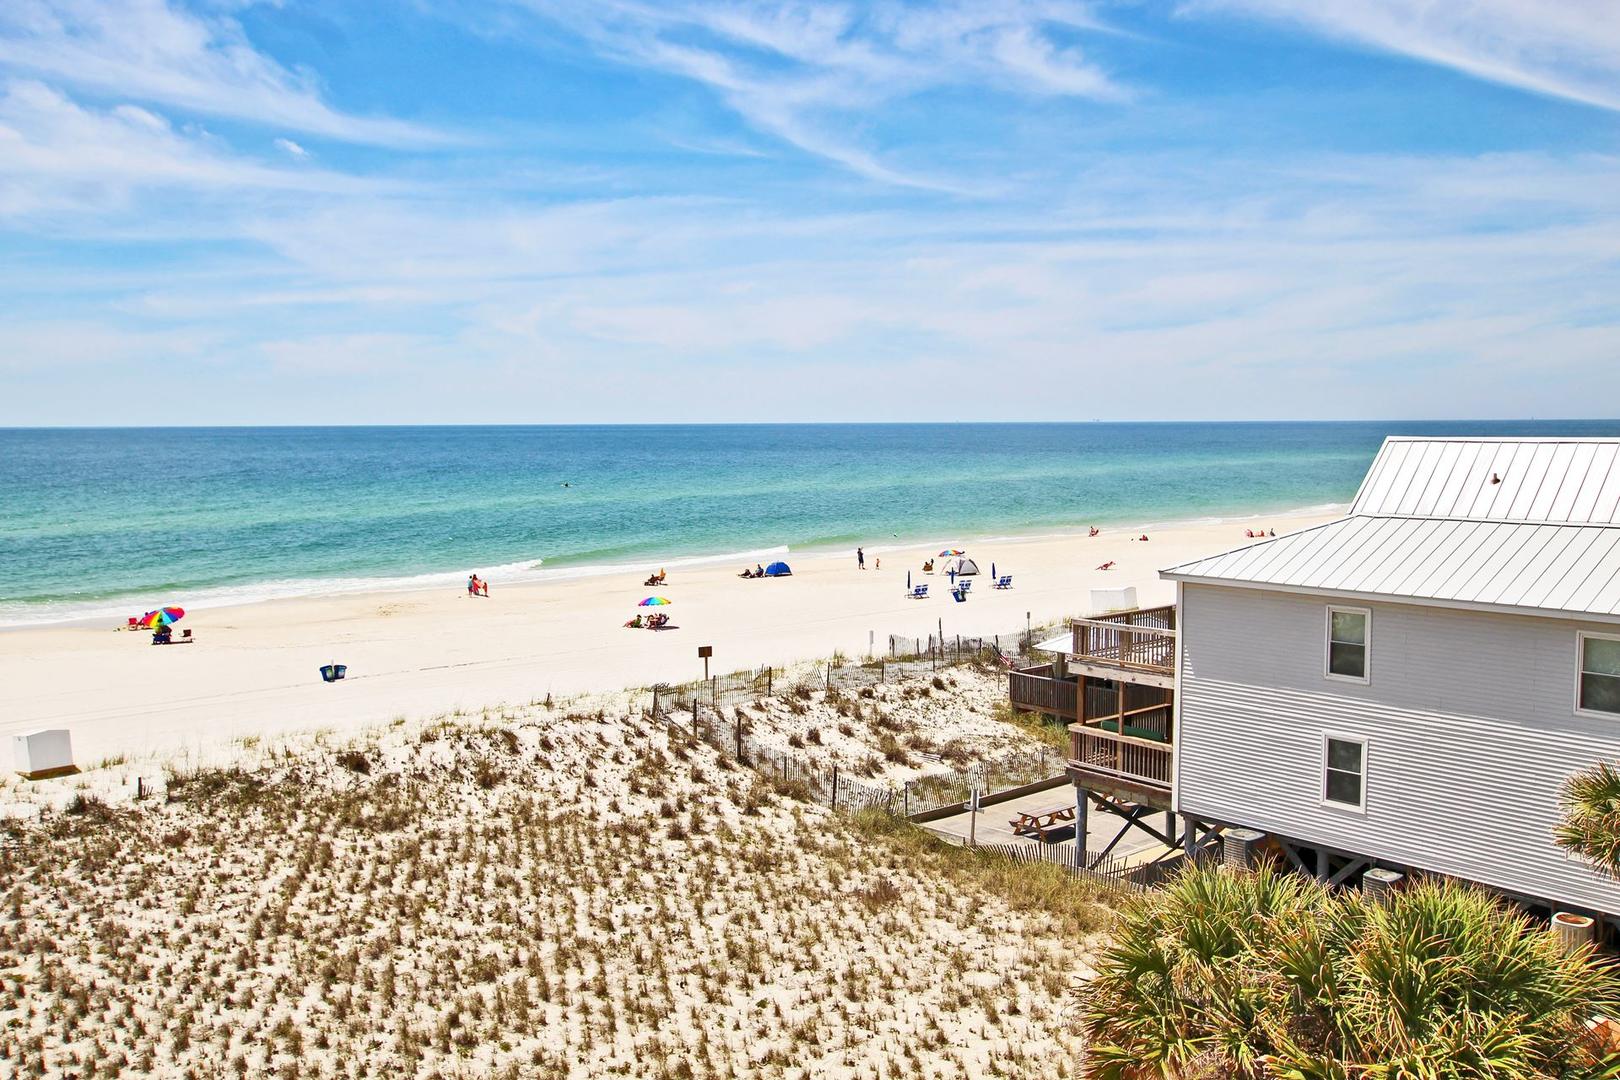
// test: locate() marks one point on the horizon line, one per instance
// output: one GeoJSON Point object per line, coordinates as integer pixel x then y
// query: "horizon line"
{"type": "Point", "coordinates": [800, 423]}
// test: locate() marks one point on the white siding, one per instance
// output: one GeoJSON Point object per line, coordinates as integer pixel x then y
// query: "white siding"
{"type": "Point", "coordinates": [1470, 727]}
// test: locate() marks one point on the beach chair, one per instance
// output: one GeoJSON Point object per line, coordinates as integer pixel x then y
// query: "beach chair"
{"type": "Point", "coordinates": [333, 672]}
{"type": "Point", "coordinates": [960, 593]}
{"type": "Point", "coordinates": [919, 592]}
{"type": "Point", "coordinates": [965, 584]}
{"type": "Point", "coordinates": [1003, 582]}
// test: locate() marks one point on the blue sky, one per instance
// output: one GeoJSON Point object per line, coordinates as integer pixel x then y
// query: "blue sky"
{"type": "Point", "coordinates": [528, 211]}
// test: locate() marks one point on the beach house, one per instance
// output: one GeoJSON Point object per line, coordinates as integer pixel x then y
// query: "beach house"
{"type": "Point", "coordinates": [1408, 687]}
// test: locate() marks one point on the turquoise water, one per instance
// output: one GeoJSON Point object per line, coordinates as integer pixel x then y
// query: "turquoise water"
{"type": "Point", "coordinates": [99, 521]}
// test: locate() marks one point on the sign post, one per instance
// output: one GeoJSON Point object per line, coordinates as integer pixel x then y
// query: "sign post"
{"type": "Point", "coordinates": [704, 652]}
{"type": "Point", "coordinates": [973, 818]}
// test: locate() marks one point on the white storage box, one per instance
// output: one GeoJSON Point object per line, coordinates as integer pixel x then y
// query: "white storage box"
{"type": "Point", "coordinates": [44, 753]}
{"type": "Point", "coordinates": [1103, 600]}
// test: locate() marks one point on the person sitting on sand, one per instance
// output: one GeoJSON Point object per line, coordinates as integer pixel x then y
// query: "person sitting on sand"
{"type": "Point", "coordinates": [759, 571]}
{"type": "Point", "coordinates": [1273, 532]}
{"type": "Point", "coordinates": [1094, 531]}
{"type": "Point", "coordinates": [1142, 537]}
{"type": "Point", "coordinates": [635, 623]}
{"type": "Point", "coordinates": [928, 567]}
{"type": "Point", "coordinates": [1109, 565]}
{"type": "Point", "coordinates": [746, 573]}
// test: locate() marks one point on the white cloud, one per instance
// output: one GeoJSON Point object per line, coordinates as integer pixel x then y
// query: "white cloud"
{"type": "Point", "coordinates": [806, 73]}
{"type": "Point", "coordinates": [58, 155]}
{"type": "Point", "coordinates": [1392, 290]}
{"type": "Point", "coordinates": [150, 51]}
{"type": "Point", "coordinates": [291, 149]}
{"type": "Point", "coordinates": [1563, 48]}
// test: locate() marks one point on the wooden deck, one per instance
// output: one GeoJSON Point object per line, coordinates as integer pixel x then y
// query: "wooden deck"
{"type": "Point", "coordinates": [1116, 689]}
{"type": "Point", "coordinates": [1141, 642]}
{"type": "Point", "coordinates": [1104, 760]}
{"type": "Point", "coordinates": [1035, 689]}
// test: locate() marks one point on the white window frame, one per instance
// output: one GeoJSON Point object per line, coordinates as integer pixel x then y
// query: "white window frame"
{"type": "Point", "coordinates": [1365, 677]}
{"type": "Point", "coordinates": [1359, 740]}
{"type": "Point", "coordinates": [1580, 669]}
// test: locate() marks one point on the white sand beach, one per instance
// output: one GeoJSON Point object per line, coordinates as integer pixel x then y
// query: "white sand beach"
{"type": "Point", "coordinates": [253, 670]}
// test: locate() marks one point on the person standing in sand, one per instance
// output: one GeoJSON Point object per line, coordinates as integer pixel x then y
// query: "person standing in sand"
{"type": "Point", "coordinates": [860, 558]}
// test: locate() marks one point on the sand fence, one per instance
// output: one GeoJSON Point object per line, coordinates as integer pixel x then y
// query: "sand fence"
{"type": "Point", "coordinates": [709, 710]}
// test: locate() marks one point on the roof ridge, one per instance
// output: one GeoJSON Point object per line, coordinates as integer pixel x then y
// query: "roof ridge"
{"type": "Point", "coordinates": [1549, 439]}
{"type": "Point", "coordinates": [1487, 520]}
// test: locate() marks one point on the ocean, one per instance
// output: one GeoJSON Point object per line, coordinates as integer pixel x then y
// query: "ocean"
{"type": "Point", "coordinates": [108, 522]}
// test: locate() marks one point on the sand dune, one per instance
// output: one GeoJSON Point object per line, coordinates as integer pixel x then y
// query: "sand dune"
{"type": "Point", "coordinates": [547, 893]}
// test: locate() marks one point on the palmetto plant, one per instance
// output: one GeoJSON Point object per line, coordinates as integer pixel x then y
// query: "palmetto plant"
{"type": "Point", "coordinates": [1269, 975]}
{"type": "Point", "coordinates": [1591, 824]}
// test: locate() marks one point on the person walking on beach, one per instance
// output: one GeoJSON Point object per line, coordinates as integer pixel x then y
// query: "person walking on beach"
{"type": "Point", "coordinates": [860, 558]}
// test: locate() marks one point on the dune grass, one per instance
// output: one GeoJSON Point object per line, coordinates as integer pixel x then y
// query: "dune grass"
{"type": "Point", "coordinates": [550, 896]}
{"type": "Point", "coordinates": [1053, 734]}
{"type": "Point", "coordinates": [1074, 905]}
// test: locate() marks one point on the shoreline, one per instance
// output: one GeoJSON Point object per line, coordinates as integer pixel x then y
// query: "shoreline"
{"type": "Point", "coordinates": [253, 669]}
{"type": "Point", "coordinates": [530, 573]}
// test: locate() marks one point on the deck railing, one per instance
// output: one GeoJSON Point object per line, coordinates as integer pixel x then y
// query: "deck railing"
{"type": "Point", "coordinates": [1036, 690]}
{"type": "Point", "coordinates": [1139, 640]}
{"type": "Point", "coordinates": [1127, 757]}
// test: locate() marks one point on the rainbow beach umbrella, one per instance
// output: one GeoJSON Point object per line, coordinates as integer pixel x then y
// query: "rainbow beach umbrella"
{"type": "Point", "coordinates": [951, 551]}
{"type": "Point", "coordinates": [653, 601]}
{"type": "Point", "coordinates": [163, 616]}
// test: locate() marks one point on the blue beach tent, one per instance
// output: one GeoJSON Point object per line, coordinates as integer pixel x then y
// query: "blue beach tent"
{"type": "Point", "coordinates": [779, 569]}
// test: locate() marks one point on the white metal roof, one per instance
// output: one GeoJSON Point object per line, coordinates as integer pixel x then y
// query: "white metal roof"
{"type": "Point", "coordinates": [1430, 524]}
{"type": "Point", "coordinates": [1058, 644]}
{"type": "Point", "coordinates": [1546, 480]}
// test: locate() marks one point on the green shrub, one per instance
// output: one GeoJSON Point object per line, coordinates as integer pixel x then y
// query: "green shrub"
{"type": "Point", "coordinates": [1270, 975]}
{"type": "Point", "coordinates": [1591, 824]}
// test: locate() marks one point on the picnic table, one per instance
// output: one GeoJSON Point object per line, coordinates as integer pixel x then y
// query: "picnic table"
{"type": "Point", "coordinates": [1040, 822]}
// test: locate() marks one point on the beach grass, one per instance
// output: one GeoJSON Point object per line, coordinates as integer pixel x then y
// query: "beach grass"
{"type": "Point", "coordinates": [1052, 734]}
{"type": "Point", "coordinates": [524, 894]}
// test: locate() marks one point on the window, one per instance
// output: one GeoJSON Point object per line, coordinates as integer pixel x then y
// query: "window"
{"type": "Point", "coordinates": [1344, 771]}
{"type": "Point", "coordinates": [1347, 643]}
{"type": "Point", "coordinates": [1599, 689]}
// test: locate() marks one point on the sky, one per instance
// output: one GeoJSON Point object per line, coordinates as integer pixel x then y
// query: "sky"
{"type": "Point", "coordinates": [524, 211]}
